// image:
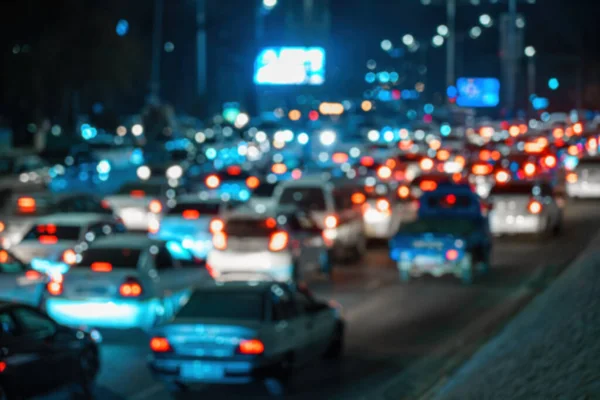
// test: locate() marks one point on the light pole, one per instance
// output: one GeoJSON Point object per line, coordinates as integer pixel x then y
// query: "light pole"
{"type": "Point", "coordinates": [512, 56]}
{"type": "Point", "coordinates": [451, 45]}
{"type": "Point", "coordinates": [156, 52]}
{"type": "Point", "coordinates": [531, 75]}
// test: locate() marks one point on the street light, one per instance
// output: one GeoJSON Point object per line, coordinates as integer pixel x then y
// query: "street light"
{"type": "Point", "coordinates": [531, 75]}
{"type": "Point", "coordinates": [520, 22]}
{"type": "Point", "coordinates": [475, 32]}
{"type": "Point", "coordinates": [442, 30]}
{"type": "Point", "coordinates": [269, 3]}
{"type": "Point", "coordinates": [386, 45]}
{"type": "Point", "coordinates": [529, 51]}
{"type": "Point", "coordinates": [437, 41]}
{"type": "Point", "coordinates": [485, 20]}
{"type": "Point", "coordinates": [408, 40]}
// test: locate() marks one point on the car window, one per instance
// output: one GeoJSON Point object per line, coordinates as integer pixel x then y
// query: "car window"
{"type": "Point", "coordinates": [164, 260]}
{"type": "Point", "coordinates": [546, 190]}
{"type": "Point", "coordinates": [7, 166]}
{"type": "Point", "coordinates": [342, 199]}
{"type": "Point", "coordinates": [312, 199]}
{"type": "Point", "coordinates": [197, 209]}
{"type": "Point", "coordinates": [302, 301]}
{"type": "Point", "coordinates": [515, 189]}
{"type": "Point", "coordinates": [73, 204]}
{"type": "Point", "coordinates": [225, 305]}
{"type": "Point", "coordinates": [283, 307]}
{"type": "Point", "coordinates": [117, 257]}
{"type": "Point", "coordinates": [95, 206]}
{"type": "Point", "coordinates": [8, 326]}
{"type": "Point", "coordinates": [100, 229]}
{"type": "Point", "coordinates": [182, 256]}
{"type": "Point", "coordinates": [9, 264]}
{"type": "Point", "coordinates": [33, 323]}
{"type": "Point", "coordinates": [251, 227]}
{"type": "Point", "coordinates": [50, 233]}
{"type": "Point", "coordinates": [297, 223]}
{"type": "Point", "coordinates": [265, 189]}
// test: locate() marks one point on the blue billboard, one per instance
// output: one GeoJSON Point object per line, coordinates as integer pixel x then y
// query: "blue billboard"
{"type": "Point", "coordinates": [290, 66]}
{"type": "Point", "coordinates": [478, 92]}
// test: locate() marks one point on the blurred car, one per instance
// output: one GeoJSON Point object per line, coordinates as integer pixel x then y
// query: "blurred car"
{"type": "Point", "coordinates": [231, 183]}
{"type": "Point", "coordinates": [19, 283]}
{"type": "Point", "coordinates": [382, 210]}
{"type": "Point", "coordinates": [428, 182]}
{"type": "Point", "coordinates": [329, 204]}
{"type": "Point", "coordinates": [192, 222]}
{"type": "Point", "coordinates": [52, 243]}
{"type": "Point", "coordinates": [40, 356]}
{"type": "Point", "coordinates": [20, 170]}
{"type": "Point", "coordinates": [262, 199]}
{"type": "Point", "coordinates": [451, 236]}
{"type": "Point", "coordinates": [282, 248]}
{"type": "Point", "coordinates": [19, 211]}
{"type": "Point", "coordinates": [140, 204]}
{"type": "Point", "coordinates": [125, 281]}
{"type": "Point", "coordinates": [584, 180]}
{"type": "Point", "coordinates": [240, 332]}
{"type": "Point", "coordinates": [525, 207]}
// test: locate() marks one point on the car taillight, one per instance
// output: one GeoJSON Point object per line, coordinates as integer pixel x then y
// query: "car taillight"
{"type": "Point", "coordinates": [384, 172]}
{"type": "Point", "coordinates": [550, 161]}
{"type": "Point", "coordinates": [48, 239]}
{"type": "Point", "coordinates": [278, 241]}
{"type": "Point", "coordinates": [153, 226]}
{"type": "Point", "coordinates": [251, 347]}
{"type": "Point", "coordinates": [481, 169]}
{"type": "Point", "coordinates": [426, 164]}
{"type": "Point", "coordinates": [331, 222]}
{"type": "Point", "coordinates": [54, 287]}
{"type": "Point", "coordinates": [190, 214]}
{"type": "Point", "coordinates": [160, 345]}
{"type": "Point", "coordinates": [428, 186]}
{"type": "Point", "coordinates": [535, 207]}
{"type": "Point", "coordinates": [252, 182]}
{"type": "Point", "coordinates": [572, 177]}
{"type": "Point", "coordinates": [592, 144]}
{"type": "Point", "coordinates": [403, 192]}
{"type": "Point", "coordinates": [69, 257]}
{"type": "Point", "coordinates": [529, 169]}
{"type": "Point", "coordinates": [26, 204]}
{"type": "Point", "coordinates": [32, 275]}
{"type": "Point", "coordinates": [212, 181]}
{"type": "Point", "coordinates": [101, 267]}
{"type": "Point", "coordinates": [137, 193]}
{"type": "Point", "coordinates": [220, 241]}
{"type": "Point", "coordinates": [451, 255]}
{"type": "Point", "coordinates": [382, 205]}
{"type": "Point", "coordinates": [216, 225]}
{"type": "Point", "coordinates": [155, 207]}
{"type": "Point", "coordinates": [2, 226]}
{"type": "Point", "coordinates": [502, 176]}
{"type": "Point", "coordinates": [358, 198]}
{"type": "Point", "coordinates": [130, 288]}
{"type": "Point", "coordinates": [2, 366]}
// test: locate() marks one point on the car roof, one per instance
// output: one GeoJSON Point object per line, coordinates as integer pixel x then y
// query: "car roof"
{"type": "Point", "coordinates": [195, 198]}
{"type": "Point", "coordinates": [72, 219]}
{"type": "Point", "coordinates": [125, 240]}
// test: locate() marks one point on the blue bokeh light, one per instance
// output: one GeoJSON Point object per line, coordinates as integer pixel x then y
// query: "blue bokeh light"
{"type": "Point", "coordinates": [445, 130]}
{"type": "Point", "coordinates": [553, 83]}
{"type": "Point", "coordinates": [290, 66]}
{"type": "Point", "coordinates": [122, 27]}
{"type": "Point", "coordinates": [428, 108]}
{"type": "Point", "coordinates": [370, 77]}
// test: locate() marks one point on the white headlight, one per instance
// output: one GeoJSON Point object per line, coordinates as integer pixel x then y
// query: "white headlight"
{"type": "Point", "coordinates": [327, 138]}
{"type": "Point", "coordinates": [143, 172]}
{"type": "Point", "coordinates": [174, 172]}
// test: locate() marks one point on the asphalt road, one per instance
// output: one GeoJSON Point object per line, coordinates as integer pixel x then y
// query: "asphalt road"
{"type": "Point", "coordinates": [390, 325]}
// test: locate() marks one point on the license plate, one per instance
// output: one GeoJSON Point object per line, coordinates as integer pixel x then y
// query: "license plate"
{"type": "Point", "coordinates": [91, 290]}
{"type": "Point", "coordinates": [428, 261]}
{"type": "Point", "coordinates": [202, 371]}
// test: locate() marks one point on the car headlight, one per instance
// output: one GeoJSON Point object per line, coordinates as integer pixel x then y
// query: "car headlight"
{"type": "Point", "coordinates": [144, 172]}
{"type": "Point", "coordinates": [174, 172]}
{"type": "Point", "coordinates": [327, 138]}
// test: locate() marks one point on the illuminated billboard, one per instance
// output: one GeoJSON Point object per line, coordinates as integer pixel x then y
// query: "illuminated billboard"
{"type": "Point", "coordinates": [290, 66]}
{"type": "Point", "coordinates": [478, 92]}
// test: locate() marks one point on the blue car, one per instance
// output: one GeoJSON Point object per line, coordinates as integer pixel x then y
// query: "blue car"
{"type": "Point", "coordinates": [450, 237]}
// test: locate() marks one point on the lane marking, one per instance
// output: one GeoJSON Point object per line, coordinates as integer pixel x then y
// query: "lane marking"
{"type": "Point", "coordinates": [146, 392]}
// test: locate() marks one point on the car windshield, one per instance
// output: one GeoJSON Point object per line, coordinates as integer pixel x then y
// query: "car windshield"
{"type": "Point", "coordinates": [141, 189]}
{"type": "Point", "coordinates": [225, 305]}
{"type": "Point", "coordinates": [312, 199]}
{"type": "Point", "coordinates": [522, 188]}
{"type": "Point", "coordinates": [250, 227]}
{"type": "Point", "coordinates": [50, 233]}
{"type": "Point", "coordinates": [265, 189]}
{"type": "Point", "coordinates": [456, 226]}
{"type": "Point", "coordinates": [202, 209]}
{"type": "Point", "coordinates": [118, 257]}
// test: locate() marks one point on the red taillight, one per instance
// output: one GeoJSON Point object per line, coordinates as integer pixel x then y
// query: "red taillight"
{"type": "Point", "coordinates": [331, 222]}
{"type": "Point", "coordinates": [105, 204]}
{"type": "Point", "coordinates": [450, 199]}
{"type": "Point", "coordinates": [54, 287]}
{"type": "Point", "coordinates": [451, 255]}
{"type": "Point", "coordinates": [211, 270]}
{"type": "Point", "coordinates": [160, 345]}
{"type": "Point", "coordinates": [32, 275]}
{"type": "Point", "coordinates": [428, 186]}
{"type": "Point", "coordinates": [383, 205]}
{"type": "Point", "coordinates": [339, 158]}
{"type": "Point", "coordinates": [234, 170]}
{"type": "Point", "coordinates": [384, 172]}
{"type": "Point", "coordinates": [153, 226]}
{"type": "Point", "coordinates": [220, 241]}
{"type": "Point", "coordinates": [426, 164]}
{"type": "Point", "coordinates": [403, 192]}
{"type": "Point", "coordinates": [529, 169]}
{"type": "Point", "coordinates": [252, 182]}
{"type": "Point", "coordinates": [358, 198]}
{"type": "Point", "coordinates": [367, 161]}
{"type": "Point", "coordinates": [155, 207]}
{"type": "Point", "coordinates": [2, 366]}
{"type": "Point", "coordinates": [251, 347]}
{"type": "Point", "coordinates": [502, 176]}
{"type": "Point", "coordinates": [278, 241]}
{"type": "Point", "coordinates": [535, 207]}
{"type": "Point", "coordinates": [190, 214]}
{"type": "Point", "coordinates": [47, 239]}
{"type": "Point", "coordinates": [216, 225]}
{"type": "Point", "coordinates": [482, 169]}
{"type": "Point", "coordinates": [69, 257]}
{"type": "Point", "coordinates": [212, 181]}
{"type": "Point", "coordinates": [572, 177]}
{"type": "Point", "coordinates": [137, 193]}
{"type": "Point", "coordinates": [26, 204]}
{"type": "Point", "coordinates": [130, 288]}
{"type": "Point", "coordinates": [279, 169]}
{"type": "Point", "coordinates": [550, 161]}
{"type": "Point", "coordinates": [101, 267]}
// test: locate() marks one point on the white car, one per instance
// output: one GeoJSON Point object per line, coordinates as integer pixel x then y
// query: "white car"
{"type": "Point", "coordinates": [125, 281]}
{"type": "Point", "coordinates": [384, 209]}
{"type": "Point", "coordinates": [329, 204]}
{"type": "Point", "coordinates": [242, 332]}
{"type": "Point", "coordinates": [21, 170]}
{"type": "Point", "coordinates": [283, 248]}
{"type": "Point", "coordinates": [19, 211]}
{"type": "Point", "coordinates": [584, 181]}
{"type": "Point", "coordinates": [192, 221]}
{"type": "Point", "coordinates": [140, 204]}
{"type": "Point", "coordinates": [521, 207]}
{"type": "Point", "coordinates": [52, 243]}
{"type": "Point", "coordinates": [19, 283]}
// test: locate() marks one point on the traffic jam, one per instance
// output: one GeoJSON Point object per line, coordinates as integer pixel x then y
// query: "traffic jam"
{"type": "Point", "coordinates": [214, 254]}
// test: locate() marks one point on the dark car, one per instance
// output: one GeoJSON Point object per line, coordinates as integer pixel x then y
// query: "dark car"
{"type": "Point", "coordinates": [39, 356]}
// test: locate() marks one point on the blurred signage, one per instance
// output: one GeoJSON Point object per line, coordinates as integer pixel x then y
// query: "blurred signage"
{"type": "Point", "coordinates": [290, 66]}
{"type": "Point", "coordinates": [331, 108]}
{"type": "Point", "coordinates": [478, 92]}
